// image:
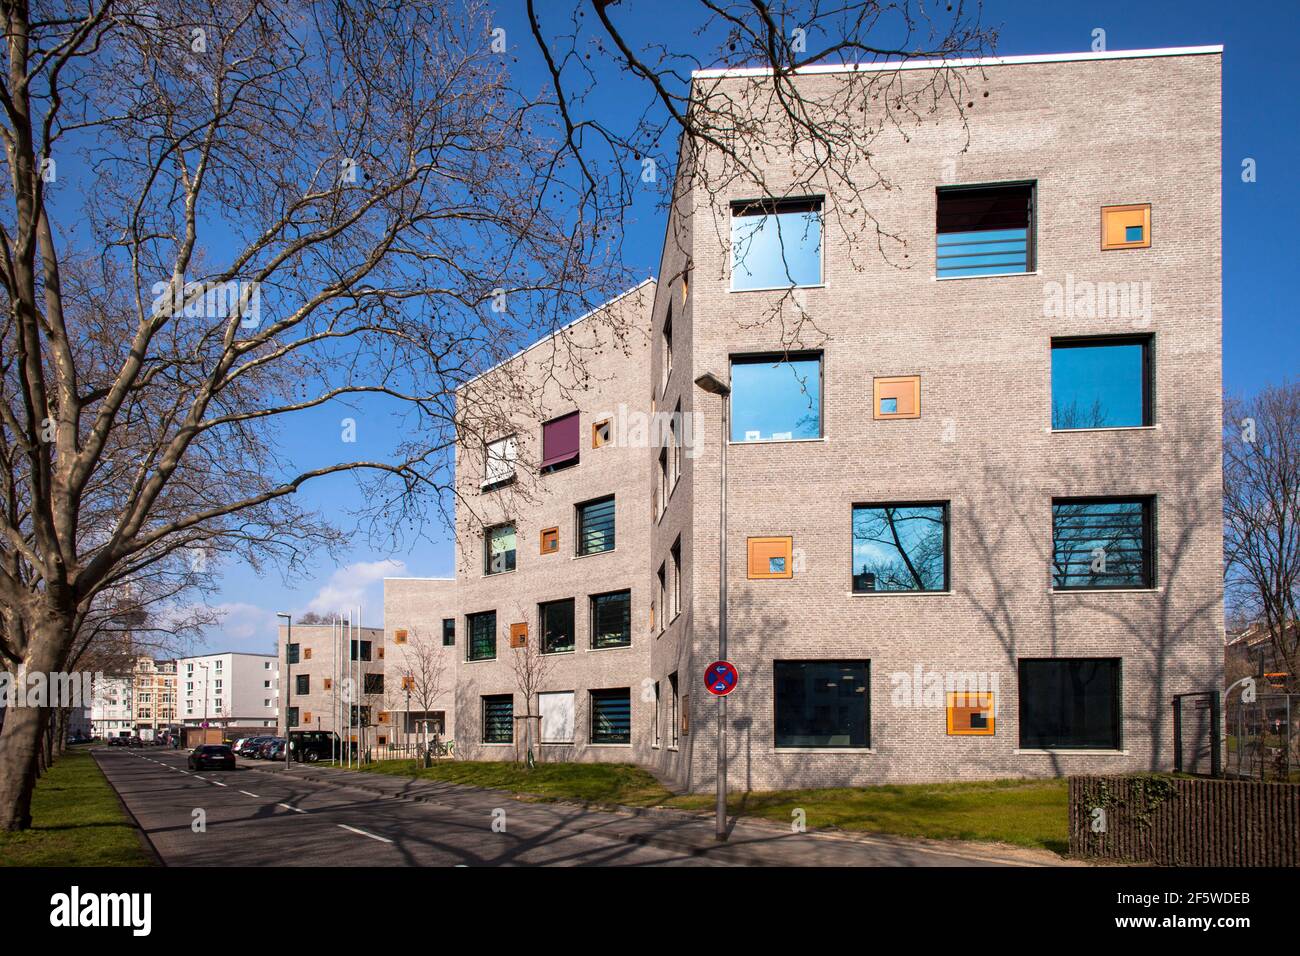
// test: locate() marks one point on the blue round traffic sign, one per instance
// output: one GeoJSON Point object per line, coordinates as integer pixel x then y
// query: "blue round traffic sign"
{"type": "Point", "coordinates": [721, 678]}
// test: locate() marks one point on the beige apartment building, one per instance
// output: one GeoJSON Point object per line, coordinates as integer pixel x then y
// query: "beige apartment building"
{"type": "Point", "coordinates": [320, 689]}
{"type": "Point", "coordinates": [972, 485]}
{"type": "Point", "coordinates": [153, 696]}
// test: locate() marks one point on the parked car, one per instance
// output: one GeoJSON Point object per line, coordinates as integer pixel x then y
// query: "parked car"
{"type": "Point", "coordinates": [212, 756]}
{"type": "Point", "coordinates": [134, 742]}
{"type": "Point", "coordinates": [117, 741]}
{"type": "Point", "coordinates": [309, 746]}
{"type": "Point", "coordinates": [252, 748]}
{"type": "Point", "coordinates": [274, 750]}
{"type": "Point", "coordinates": [238, 745]}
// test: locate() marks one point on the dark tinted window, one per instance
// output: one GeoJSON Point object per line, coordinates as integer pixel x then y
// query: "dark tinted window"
{"type": "Point", "coordinates": [498, 719]}
{"type": "Point", "coordinates": [1102, 543]}
{"type": "Point", "coordinates": [557, 626]}
{"type": "Point", "coordinates": [448, 632]}
{"type": "Point", "coordinates": [986, 230]}
{"type": "Point", "coordinates": [823, 703]}
{"type": "Point", "coordinates": [596, 526]}
{"type": "Point", "coordinates": [611, 716]}
{"type": "Point", "coordinates": [1070, 703]}
{"type": "Point", "coordinates": [611, 619]}
{"type": "Point", "coordinates": [482, 636]}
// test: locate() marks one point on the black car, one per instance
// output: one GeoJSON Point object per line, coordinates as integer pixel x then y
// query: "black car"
{"type": "Point", "coordinates": [212, 756]}
{"type": "Point", "coordinates": [117, 741]}
{"type": "Point", "coordinates": [250, 747]}
{"type": "Point", "coordinates": [309, 746]}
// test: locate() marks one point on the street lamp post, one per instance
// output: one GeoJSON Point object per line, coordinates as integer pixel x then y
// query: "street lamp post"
{"type": "Point", "coordinates": [715, 386]}
{"type": "Point", "coordinates": [288, 680]}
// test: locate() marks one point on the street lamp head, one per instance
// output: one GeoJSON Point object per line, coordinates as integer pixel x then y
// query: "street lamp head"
{"type": "Point", "coordinates": [712, 384]}
{"type": "Point", "coordinates": [287, 617]}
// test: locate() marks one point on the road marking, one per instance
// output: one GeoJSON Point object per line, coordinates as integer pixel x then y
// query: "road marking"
{"type": "Point", "coordinates": [364, 833]}
{"type": "Point", "coordinates": [217, 782]}
{"type": "Point", "coordinates": [287, 807]}
{"type": "Point", "coordinates": [247, 794]}
{"type": "Point", "coordinates": [197, 777]}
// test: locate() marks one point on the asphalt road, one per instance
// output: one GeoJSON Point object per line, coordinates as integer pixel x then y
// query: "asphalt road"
{"type": "Point", "coordinates": [256, 817]}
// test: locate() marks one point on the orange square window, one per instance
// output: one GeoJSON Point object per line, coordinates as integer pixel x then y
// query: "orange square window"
{"type": "Point", "coordinates": [519, 634]}
{"type": "Point", "coordinates": [408, 682]}
{"type": "Point", "coordinates": [383, 716]}
{"type": "Point", "coordinates": [399, 636]}
{"type": "Point", "coordinates": [329, 683]}
{"type": "Point", "coordinates": [306, 653]}
{"type": "Point", "coordinates": [970, 714]}
{"type": "Point", "coordinates": [380, 652]}
{"type": "Point", "coordinates": [771, 558]}
{"type": "Point", "coordinates": [550, 540]}
{"type": "Point", "coordinates": [600, 432]}
{"type": "Point", "coordinates": [897, 397]}
{"type": "Point", "coordinates": [306, 717]}
{"type": "Point", "coordinates": [1126, 227]}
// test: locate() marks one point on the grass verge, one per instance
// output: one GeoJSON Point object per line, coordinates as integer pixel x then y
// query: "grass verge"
{"type": "Point", "coordinates": [76, 821]}
{"type": "Point", "coordinates": [1030, 813]}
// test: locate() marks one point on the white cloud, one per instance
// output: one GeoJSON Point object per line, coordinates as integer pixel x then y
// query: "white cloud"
{"type": "Point", "coordinates": [243, 627]}
{"type": "Point", "coordinates": [358, 583]}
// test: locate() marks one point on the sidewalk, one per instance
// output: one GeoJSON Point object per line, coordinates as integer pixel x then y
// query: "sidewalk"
{"type": "Point", "coordinates": [750, 842]}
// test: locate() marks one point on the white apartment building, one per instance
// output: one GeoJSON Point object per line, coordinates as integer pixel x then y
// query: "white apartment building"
{"type": "Point", "coordinates": [228, 689]}
{"type": "Point", "coordinates": [111, 710]}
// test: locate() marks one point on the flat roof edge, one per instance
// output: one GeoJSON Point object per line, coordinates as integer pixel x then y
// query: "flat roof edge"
{"type": "Point", "coordinates": [551, 335]}
{"type": "Point", "coordinates": [977, 61]}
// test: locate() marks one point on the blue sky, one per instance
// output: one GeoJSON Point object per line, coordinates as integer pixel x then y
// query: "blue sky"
{"type": "Point", "coordinates": [1261, 122]}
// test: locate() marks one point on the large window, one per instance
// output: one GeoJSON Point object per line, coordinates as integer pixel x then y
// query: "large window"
{"type": "Point", "coordinates": [482, 630]}
{"type": "Point", "coordinates": [499, 719]}
{"type": "Point", "coordinates": [448, 632]}
{"type": "Point", "coordinates": [776, 397]}
{"type": "Point", "coordinates": [1101, 383]}
{"type": "Point", "coordinates": [611, 716]}
{"type": "Point", "coordinates": [596, 526]}
{"type": "Point", "coordinates": [1070, 703]}
{"type": "Point", "coordinates": [984, 230]}
{"type": "Point", "coordinates": [499, 549]}
{"type": "Point", "coordinates": [823, 703]}
{"type": "Point", "coordinates": [900, 547]}
{"type": "Point", "coordinates": [1102, 543]}
{"type": "Point", "coordinates": [361, 650]}
{"type": "Point", "coordinates": [611, 619]}
{"type": "Point", "coordinates": [373, 683]}
{"type": "Point", "coordinates": [557, 626]}
{"type": "Point", "coordinates": [557, 713]}
{"type": "Point", "coordinates": [560, 441]}
{"type": "Point", "coordinates": [302, 684]}
{"type": "Point", "coordinates": [499, 461]}
{"type": "Point", "coordinates": [776, 244]}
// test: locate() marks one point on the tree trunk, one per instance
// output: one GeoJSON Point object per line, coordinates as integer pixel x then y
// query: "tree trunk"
{"type": "Point", "coordinates": [23, 737]}
{"type": "Point", "coordinates": [19, 752]}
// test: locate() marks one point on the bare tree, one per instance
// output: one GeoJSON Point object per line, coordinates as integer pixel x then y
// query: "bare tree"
{"type": "Point", "coordinates": [218, 216]}
{"type": "Point", "coordinates": [421, 670]}
{"type": "Point", "coordinates": [1261, 516]}
{"type": "Point", "coordinates": [531, 668]}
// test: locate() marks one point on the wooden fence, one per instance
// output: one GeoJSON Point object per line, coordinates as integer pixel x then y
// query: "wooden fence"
{"type": "Point", "coordinates": [1174, 821]}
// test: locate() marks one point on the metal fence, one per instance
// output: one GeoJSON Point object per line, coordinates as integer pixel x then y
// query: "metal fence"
{"type": "Point", "coordinates": [1263, 738]}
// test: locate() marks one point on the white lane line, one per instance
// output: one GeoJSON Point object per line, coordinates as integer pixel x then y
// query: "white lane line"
{"type": "Point", "coordinates": [217, 782]}
{"type": "Point", "coordinates": [247, 794]}
{"type": "Point", "coordinates": [197, 777]}
{"type": "Point", "coordinates": [287, 807]}
{"type": "Point", "coordinates": [364, 833]}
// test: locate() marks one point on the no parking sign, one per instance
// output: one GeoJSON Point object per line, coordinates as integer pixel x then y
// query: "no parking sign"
{"type": "Point", "coordinates": [721, 678]}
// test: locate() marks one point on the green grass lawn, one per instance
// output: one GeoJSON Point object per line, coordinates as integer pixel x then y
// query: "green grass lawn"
{"type": "Point", "coordinates": [617, 783]}
{"type": "Point", "coordinates": [76, 821]}
{"type": "Point", "coordinates": [1028, 813]}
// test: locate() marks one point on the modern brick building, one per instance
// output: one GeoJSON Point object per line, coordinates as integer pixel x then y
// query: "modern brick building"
{"type": "Point", "coordinates": [321, 689]}
{"type": "Point", "coordinates": [973, 485]}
